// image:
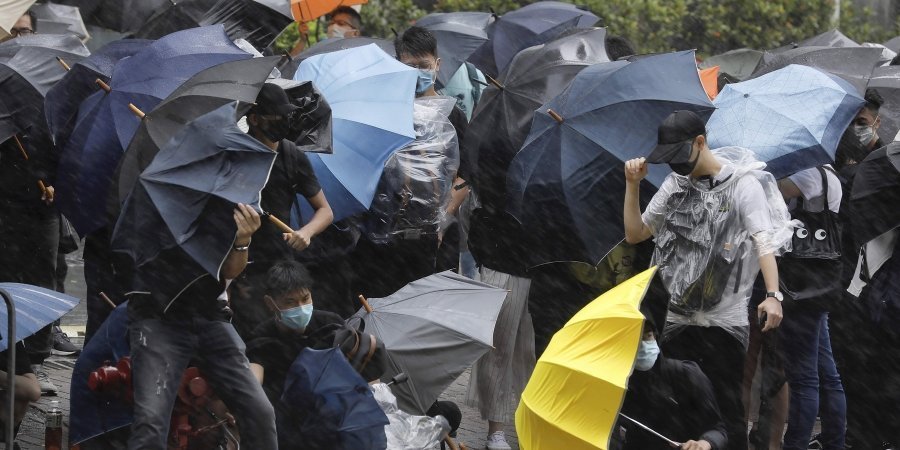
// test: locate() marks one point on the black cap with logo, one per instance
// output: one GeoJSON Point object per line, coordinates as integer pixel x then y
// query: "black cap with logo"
{"type": "Point", "coordinates": [675, 136]}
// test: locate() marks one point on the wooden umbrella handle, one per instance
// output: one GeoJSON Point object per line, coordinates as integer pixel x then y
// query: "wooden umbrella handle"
{"type": "Point", "coordinates": [365, 303]}
{"type": "Point", "coordinates": [451, 443]}
{"type": "Point", "coordinates": [278, 223]}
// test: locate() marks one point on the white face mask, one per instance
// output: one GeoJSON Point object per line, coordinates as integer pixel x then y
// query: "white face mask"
{"type": "Point", "coordinates": [338, 31]}
{"type": "Point", "coordinates": [864, 133]}
{"type": "Point", "coordinates": [647, 353]}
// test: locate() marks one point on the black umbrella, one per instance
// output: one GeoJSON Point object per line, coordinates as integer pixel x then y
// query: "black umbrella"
{"type": "Point", "coordinates": [530, 25]}
{"type": "Point", "coordinates": [876, 194]}
{"type": "Point", "coordinates": [204, 92]}
{"type": "Point", "coordinates": [247, 19]}
{"type": "Point", "coordinates": [739, 63]}
{"type": "Point", "coordinates": [332, 45]}
{"type": "Point", "coordinates": [854, 64]}
{"type": "Point", "coordinates": [893, 44]}
{"type": "Point", "coordinates": [458, 35]}
{"type": "Point", "coordinates": [830, 38]}
{"type": "Point", "coordinates": [118, 15]}
{"type": "Point", "coordinates": [28, 69]}
{"type": "Point", "coordinates": [886, 80]}
{"type": "Point", "coordinates": [311, 124]}
{"type": "Point", "coordinates": [185, 198]}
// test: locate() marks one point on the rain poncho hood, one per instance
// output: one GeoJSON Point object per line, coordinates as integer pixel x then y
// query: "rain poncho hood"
{"type": "Point", "coordinates": [407, 431]}
{"type": "Point", "coordinates": [707, 257]}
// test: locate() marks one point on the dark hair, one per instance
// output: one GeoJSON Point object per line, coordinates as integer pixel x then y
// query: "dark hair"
{"type": "Point", "coordinates": [31, 15]}
{"type": "Point", "coordinates": [287, 276]}
{"type": "Point", "coordinates": [355, 18]}
{"type": "Point", "coordinates": [896, 61]}
{"type": "Point", "coordinates": [416, 41]}
{"type": "Point", "coordinates": [874, 100]}
{"type": "Point", "coordinates": [619, 46]}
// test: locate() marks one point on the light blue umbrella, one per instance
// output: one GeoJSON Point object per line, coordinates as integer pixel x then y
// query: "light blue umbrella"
{"type": "Point", "coordinates": [371, 96]}
{"type": "Point", "coordinates": [792, 118]}
{"type": "Point", "coordinates": [36, 308]}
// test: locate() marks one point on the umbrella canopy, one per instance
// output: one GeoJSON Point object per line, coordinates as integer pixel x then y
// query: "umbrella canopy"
{"type": "Point", "coordinates": [530, 25]}
{"type": "Point", "coordinates": [893, 44]}
{"type": "Point", "coordinates": [433, 329]}
{"type": "Point", "coordinates": [876, 192]}
{"type": "Point", "coordinates": [830, 38]}
{"type": "Point", "coordinates": [124, 16]}
{"type": "Point", "coordinates": [710, 79]}
{"type": "Point", "coordinates": [739, 63]}
{"type": "Point", "coordinates": [60, 19]}
{"type": "Point", "coordinates": [854, 64]}
{"type": "Point", "coordinates": [28, 69]}
{"type": "Point", "coordinates": [886, 80]}
{"type": "Point", "coordinates": [289, 68]}
{"type": "Point", "coordinates": [792, 118]}
{"type": "Point", "coordinates": [313, 120]}
{"type": "Point", "coordinates": [36, 307]}
{"type": "Point", "coordinates": [105, 125]}
{"type": "Point", "coordinates": [253, 20]}
{"type": "Point", "coordinates": [186, 196]}
{"type": "Point", "coordinates": [327, 398]}
{"type": "Point", "coordinates": [458, 35]}
{"type": "Point", "coordinates": [10, 13]}
{"type": "Point", "coordinates": [307, 10]}
{"type": "Point", "coordinates": [574, 395]}
{"type": "Point", "coordinates": [567, 179]}
{"type": "Point", "coordinates": [371, 96]}
{"type": "Point", "coordinates": [62, 100]}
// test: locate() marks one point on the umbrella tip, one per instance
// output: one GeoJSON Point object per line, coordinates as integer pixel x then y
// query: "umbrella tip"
{"type": "Point", "coordinates": [103, 85]}
{"type": "Point", "coordinates": [555, 116]}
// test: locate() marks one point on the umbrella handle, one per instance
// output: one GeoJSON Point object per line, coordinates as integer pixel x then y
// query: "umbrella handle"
{"type": "Point", "coordinates": [451, 443]}
{"type": "Point", "coordinates": [106, 299]}
{"type": "Point", "coordinates": [137, 111]}
{"type": "Point", "coordinates": [21, 147]}
{"type": "Point", "coordinates": [10, 364]}
{"type": "Point", "coordinates": [63, 63]}
{"type": "Point", "coordinates": [278, 223]}
{"type": "Point", "coordinates": [104, 86]}
{"type": "Point", "coordinates": [365, 303]}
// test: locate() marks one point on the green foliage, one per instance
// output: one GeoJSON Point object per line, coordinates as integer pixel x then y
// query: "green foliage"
{"type": "Point", "coordinates": [381, 17]}
{"type": "Point", "coordinates": [861, 25]}
{"type": "Point", "coordinates": [499, 6]}
{"type": "Point", "coordinates": [289, 36]}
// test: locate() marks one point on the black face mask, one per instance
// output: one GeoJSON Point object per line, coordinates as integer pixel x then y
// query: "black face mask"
{"type": "Point", "coordinates": [275, 130]}
{"type": "Point", "coordinates": [684, 169]}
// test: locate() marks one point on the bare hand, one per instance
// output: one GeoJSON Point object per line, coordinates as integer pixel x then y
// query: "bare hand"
{"type": "Point", "coordinates": [49, 195]}
{"type": "Point", "coordinates": [298, 240]}
{"type": "Point", "coordinates": [247, 221]}
{"type": "Point", "coordinates": [696, 445]}
{"type": "Point", "coordinates": [635, 170]}
{"type": "Point", "coordinates": [774, 313]}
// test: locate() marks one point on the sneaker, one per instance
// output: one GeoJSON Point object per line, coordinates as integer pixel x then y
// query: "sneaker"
{"type": "Point", "coordinates": [497, 441]}
{"type": "Point", "coordinates": [62, 346]}
{"type": "Point", "coordinates": [47, 386]}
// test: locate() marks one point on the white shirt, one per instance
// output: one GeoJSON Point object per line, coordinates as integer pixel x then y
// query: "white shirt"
{"type": "Point", "coordinates": [809, 182]}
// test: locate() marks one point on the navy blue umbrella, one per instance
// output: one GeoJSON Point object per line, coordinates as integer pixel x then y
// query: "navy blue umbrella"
{"type": "Point", "coordinates": [530, 25]}
{"type": "Point", "coordinates": [566, 183]}
{"type": "Point", "coordinates": [331, 405]}
{"type": "Point", "coordinates": [185, 198]}
{"type": "Point", "coordinates": [105, 125]}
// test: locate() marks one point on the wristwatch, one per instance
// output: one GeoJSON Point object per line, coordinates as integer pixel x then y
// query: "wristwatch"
{"type": "Point", "coordinates": [776, 295]}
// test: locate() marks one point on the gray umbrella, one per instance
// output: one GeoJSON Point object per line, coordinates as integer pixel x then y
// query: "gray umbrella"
{"type": "Point", "coordinates": [739, 63]}
{"type": "Point", "coordinates": [60, 19]}
{"type": "Point", "coordinates": [433, 329]}
{"type": "Point", "coordinates": [886, 80]}
{"type": "Point", "coordinates": [854, 64]}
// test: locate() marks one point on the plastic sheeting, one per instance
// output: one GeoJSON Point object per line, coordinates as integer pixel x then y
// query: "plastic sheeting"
{"type": "Point", "coordinates": [709, 270]}
{"type": "Point", "coordinates": [415, 186]}
{"type": "Point", "coordinates": [406, 431]}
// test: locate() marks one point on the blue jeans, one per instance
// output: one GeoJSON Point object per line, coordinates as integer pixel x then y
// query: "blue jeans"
{"type": "Point", "coordinates": [161, 351]}
{"type": "Point", "coordinates": [812, 376]}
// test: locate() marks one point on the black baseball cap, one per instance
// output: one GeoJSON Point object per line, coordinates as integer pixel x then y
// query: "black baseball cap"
{"type": "Point", "coordinates": [272, 100]}
{"type": "Point", "coordinates": [674, 133]}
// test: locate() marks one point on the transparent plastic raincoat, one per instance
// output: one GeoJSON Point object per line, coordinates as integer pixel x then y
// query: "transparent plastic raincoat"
{"type": "Point", "coordinates": [406, 431]}
{"type": "Point", "coordinates": [709, 238]}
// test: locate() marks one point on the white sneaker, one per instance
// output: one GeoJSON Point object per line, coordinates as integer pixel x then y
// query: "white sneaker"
{"type": "Point", "coordinates": [47, 386]}
{"type": "Point", "coordinates": [497, 441]}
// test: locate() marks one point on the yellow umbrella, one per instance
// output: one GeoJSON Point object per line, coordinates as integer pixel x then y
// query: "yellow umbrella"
{"type": "Point", "coordinates": [10, 12]}
{"type": "Point", "coordinates": [574, 395]}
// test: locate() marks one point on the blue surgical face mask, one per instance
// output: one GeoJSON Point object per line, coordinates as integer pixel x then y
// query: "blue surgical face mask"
{"type": "Point", "coordinates": [647, 353]}
{"type": "Point", "coordinates": [425, 81]}
{"type": "Point", "coordinates": [298, 317]}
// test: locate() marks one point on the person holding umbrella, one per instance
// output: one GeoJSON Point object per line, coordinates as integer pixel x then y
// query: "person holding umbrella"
{"type": "Point", "coordinates": [716, 221]}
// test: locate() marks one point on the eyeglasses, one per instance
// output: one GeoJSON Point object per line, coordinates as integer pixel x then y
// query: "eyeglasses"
{"type": "Point", "coordinates": [16, 32]}
{"type": "Point", "coordinates": [341, 23]}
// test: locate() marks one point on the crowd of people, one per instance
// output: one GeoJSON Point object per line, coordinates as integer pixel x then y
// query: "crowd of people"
{"type": "Point", "coordinates": [719, 224]}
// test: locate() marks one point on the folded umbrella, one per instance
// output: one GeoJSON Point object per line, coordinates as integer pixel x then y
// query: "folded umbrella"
{"type": "Point", "coordinates": [371, 97]}
{"type": "Point", "coordinates": [458, 35]}
{"type": "Point", "coordinates": [433, 330]}
{"type": "Point", "coordinates": [60, 19]}
{"type": "Point", "coordinates": [573, 397]}
{"type": "Point", "coordinates": [527, 26]}
{"type": "Point", "coordinates": [253, 20]}
{"type": "Point", "coordinates": [289, 68]}
{"type": "Point", "coordinates": [875, 194]}
{"type": "Point", "coordinates": [792, 118]}
{"type": "Point", "coordinates": [105, 125]}
{"type": "Point", "coordinates": [739, 63]}
{"type": "Point", "coordinates": [124, 16]}
{"type": "Point", "coordinates": [36, 308]}
{"type": "Point", "coordinates": [886, 81]}
{"type": "Point", "coordinates": [186, 196]}
{"type": "Point", "coordinates": [854, 64]}
{"type": "Point", "coordinates": [567, 179]}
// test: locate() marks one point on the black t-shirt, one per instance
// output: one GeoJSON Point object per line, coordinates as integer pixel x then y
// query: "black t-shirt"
{"type": "Point", "coordinates": [23, 364]}
{"type": "Point", "coordinates": [276, 349]}
{"type": "Point", "coordinates": [292, 174]}
{"type": "Point", "coordinates": [460, 123]}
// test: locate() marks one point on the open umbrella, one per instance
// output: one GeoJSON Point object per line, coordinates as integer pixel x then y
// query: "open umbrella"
{"type": "Point", "coordinates": [527, 26]}
{"type": "Point", "coordinates": [830, 38]}
{"type": "Point", "coordinates": [710, 79]}
{"type": "Point", "coordinates": [10, 13]}
{"type": "Point", "coordinates": [186, 196]}
{"type": "Point", "coordinates": [739, 63]}
{"type": "Point", "coordinates": [289, 68]}
{"type": "Point", "coordinates": [854, 64]}
{"type": "Point", "coordinates": [573, 398]}
{"type": "Point", "coordinates": [105, 124]}
{"type": "Point", "coordinates": [253, 20]}
{"type": "Point", "coordinates": [60, 19]}
{"type": "Point", "coordinates": [371, 97]}
{"type": "Point", "coordinates": [876, 192]}
{"type": "Point", "coordinates": [458, 35]}
{"type": "Point", "coordinates": [124, 16]}
{"type": "Point", "coordinates": [36, 307]}
{"type": "Point", "coordinates": [792, 118]}
{"type": "Point", "coordinates": [567, 179]}
{"type": "Point", "coordinates": [330, 402]}
{"type": "Point", "coordinates": [433, 329]}
{"type": "Point", "coordinates": [886, 80]}
{"type": "Point", "coordinates": [28, 69]}
{"type": "Point", "coordinates": [307, 10]}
